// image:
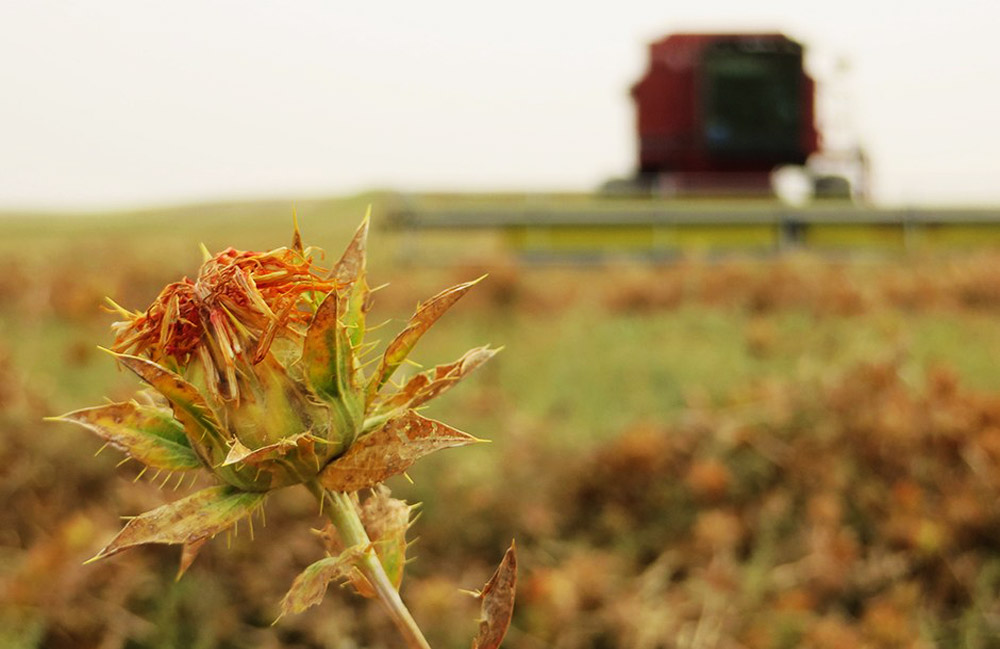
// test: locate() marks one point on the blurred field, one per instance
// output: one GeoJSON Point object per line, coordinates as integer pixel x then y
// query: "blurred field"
{"type": "Point", "coordinates": [763, 453]}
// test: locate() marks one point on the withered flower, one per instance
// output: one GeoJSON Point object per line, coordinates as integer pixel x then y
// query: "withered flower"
{"type": "Point", "coordinates": [257, 375]}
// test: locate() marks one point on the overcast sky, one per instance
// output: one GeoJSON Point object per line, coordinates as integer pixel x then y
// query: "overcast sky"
{"type": "Point", "coordinates": [128, 102]}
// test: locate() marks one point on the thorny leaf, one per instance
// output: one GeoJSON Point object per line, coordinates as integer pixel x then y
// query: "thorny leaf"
{"type": "Point", "coordinates": [274, 407]}
{"type": "Point", "coordinates": [189, 554]}
{"type": "Point", "coordinates": [386, 521]}
{"type": "Point", "coordinates": [497, 598]}
{"type": "Point", "coordinates": [326, 353]}
{"type": "Point", "coordinates": [426, 315]}
{"type": "Point", "coordinates": [351, 266]}
{"type": "Point", "coordinates": [150, 434]}
{"type": "Point", "coordinates": [190, 408]}
{"type": "Point", "coordinates": [352, 287]}
{"type": "Point", "coordinates": [427, 385]}
{"type": "Point", "coordinates": [390, 450]}
{"type": "Point", "coordinates": [199, 516]}
{"type": "Point", "coordinates": [330, 366]}
{"type": "Point", "coordinates": [240, 454]}
{"type": "Point", "coordinates": [309, 587]}
{"type": "Point", "coordinates": [334, 545]}
{"type": "Point", "coordinates": [354, 305]}
{"type": "Point", "coordinates": [296, 235]}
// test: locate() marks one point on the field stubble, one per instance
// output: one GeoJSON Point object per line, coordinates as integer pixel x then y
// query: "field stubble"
{"type": "Point", "coordinates": [739, 453]}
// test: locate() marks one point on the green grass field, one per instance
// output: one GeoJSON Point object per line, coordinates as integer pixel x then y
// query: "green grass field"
{"type": "Point", "coordinates": [654, 432]}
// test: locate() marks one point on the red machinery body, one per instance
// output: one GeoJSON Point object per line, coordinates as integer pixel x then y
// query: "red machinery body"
{"type": "Point", "coordinates": [723, 110]}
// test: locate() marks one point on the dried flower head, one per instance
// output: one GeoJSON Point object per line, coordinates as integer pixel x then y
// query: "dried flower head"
{"type": "Point", "coordinates": [229, 315]}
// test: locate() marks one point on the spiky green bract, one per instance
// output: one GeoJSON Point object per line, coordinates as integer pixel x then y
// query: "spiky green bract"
{"type": "Point", "coordinates": [189, 520]}
{"type": "Point", "coordinates": [332, 368]}
{"type": "Point", "coordinates": [268, 441]}
{"type": "Point", "coordinates": [149, 434]}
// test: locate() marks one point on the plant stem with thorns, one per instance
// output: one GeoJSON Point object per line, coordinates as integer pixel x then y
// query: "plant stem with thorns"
{"type": "Point", "coordinates": [341, 511]}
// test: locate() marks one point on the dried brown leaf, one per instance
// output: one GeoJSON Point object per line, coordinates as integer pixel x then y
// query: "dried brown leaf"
{"type": "Point", "coordinates": [386, 521]}
{"type": "Point", "coordinates": [296, 235]}
{"type": "Point", "coordinates": [390, 450]}
{"type": "Point", "coordinates": [428, 385]}
{"type": "Point", "coordinates": [351, 266]}
{"type": "Point", "coordinates": [189, 554]}
{"type": "Point", "coordinates": [310, 586]}
{"type": "Point", "coordinates": [240, 454]}
{"type": "Point", "coordinates": [497, 598]}
{"type": "Point", "coordinates": [426, 315]}
{"type": "Point", "coordinates": [353, 294]}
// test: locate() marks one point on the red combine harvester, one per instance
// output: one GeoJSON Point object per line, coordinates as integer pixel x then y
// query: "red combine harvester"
{"type": "Point", "coordinates": [717, 114]}
{"type": "Point", "coordinates": [723, 117]}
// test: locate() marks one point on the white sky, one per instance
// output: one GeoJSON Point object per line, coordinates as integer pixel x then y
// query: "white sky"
{"type": "Point", "coordinates": [130, 102]}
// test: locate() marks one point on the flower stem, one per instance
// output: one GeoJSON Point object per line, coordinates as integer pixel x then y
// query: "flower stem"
{"type": "Point", "coordinates": [342, 512]}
